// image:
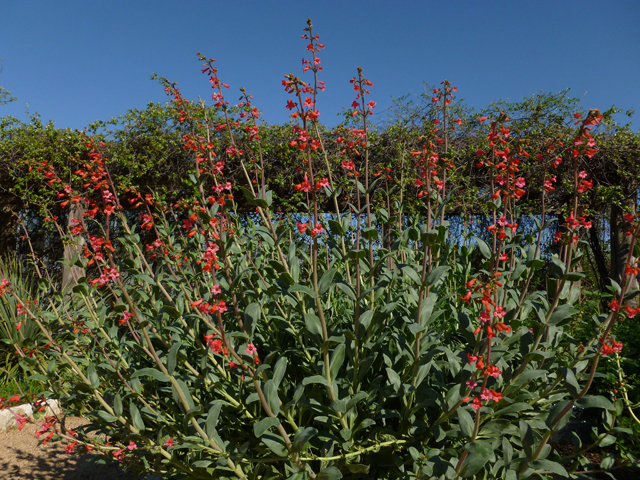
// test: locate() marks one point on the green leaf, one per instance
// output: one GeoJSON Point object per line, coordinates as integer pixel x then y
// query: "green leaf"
{"type": "Point", "coordinates": [562, 315]}
{"type": "Point", "coordinates": [427, 309]}
{"type": "Point", "coordinates": [303, 435]}
{"type": "Point", "coordinates": [172, 311]}
{"type": "Point", "coordinates": [571, 382]}
{"type": "Point", "coordinates": [466, 422]}
{"type": "Point", "coordinates": [558, 268]}
{"type": "Point", "coordinates": [251, 317]}
{"type": "Point", "coordinates": [303, 289]}
{"type": "Point", "coordinates": [337, 358]}
{"type": "Point", "coordinates": [595, 401]}
{"type": "Point", "coordinates": [507, 451]}
{"type": "Point", "coordinates": [172, 358]}
{"type": "Point", "coordinates": [526, 437]}
{"type": "Point", "coordinates": [275, 444]}
{"type": "Point", "coordinates": [212, 418]}
{"type": "Point", "coordinates": [326, 281]}
{"type": "Point", "coordinates": [513, 408]}
{"type": "Point", "coordinates": [329, 473]}
{"type": "Point", "coordinates": [151, 372]}
{"type": "Point", "coordinates": [365, 318]}
{"type": "Point", "coordinates": [553, 415]}
{"type": "Point", "coordinates": [287, 278]}
{"type": "Point", "coordinates": [436, 274]}
{"type": "Point", "coordinates": [479, 454]}
{"type": "Point", "coordinates": [483, 247]}
{"type": "Point", "coordinates": [271, 395]}
{"type": "Point", "coordinates": [358, 468]}
{"type": "Point", "coordinates": [136, 417]}
{"type": "Point", "coordinates": [315, 379]}
{"type": "Point", "coordinates": [185, 392]}
{"type": "Point", "coordinates": [394, 378]}
{"type": "Point", "coordinates": [336, 228]}
{"type": "Point", "coordinates": [630, 295]}
{"type": "Point", "coordinates": [517, 273]}
{"type": "Point", "coordinates": [527, 376]}
{"type": "Point", "coordinates": [252, 199]}
{"type": "Point", "coordinates": [607, 462]}
{"type": "Point", "coordinates": [117, 405]}
{"type": "Point", "coordinates": [606, 440]}
{"type": "Point", "coordinates": [145, 278]}
{"type": "Point", "coordinates": [279, 370]}
{"type": "Point", "coordinates": [369, 233]}
{"type": "Point", "coordinates": [259, 428]}
{"type": "Point", "coordinates": [105, 416]}
{"type": "Point", "coordinates": [313, 324]}
{"type": "Point", "coordinates": [548, 465]}
{"type": "Point", "coordinates": [347, 290]}
{"type": "Point", "coordinates": [574, 276]}
{"type": "Point", "coordinates": [412, 274]}
{"type": "Point", "coordinates": [92, 375]}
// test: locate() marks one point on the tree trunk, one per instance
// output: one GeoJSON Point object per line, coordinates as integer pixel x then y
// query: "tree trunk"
{"type": "Point", "coordinates": [70, 275]}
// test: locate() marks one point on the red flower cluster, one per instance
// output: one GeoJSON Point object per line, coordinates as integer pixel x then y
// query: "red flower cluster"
{"type": "Point", "coordinates": [612, 347]}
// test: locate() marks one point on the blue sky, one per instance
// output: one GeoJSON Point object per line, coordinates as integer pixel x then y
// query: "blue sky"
{"type": "Point", "coordinates": [75, 62]}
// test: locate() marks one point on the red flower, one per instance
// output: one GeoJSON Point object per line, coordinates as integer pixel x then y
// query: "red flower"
{"type": "Point", "coordinates": [21, 420]}
{"type": "Point", "coordinates": [304, 186]}
{"type": "Point", "coordinates": [322, 183]}
{"type": "Point", "coordinates": [71, 447]}
{"type": "Point", "coordinates": [606, 350]}
{"type": "Point", "coordinates": [125, 316]}
{"type": "Point", "coordinates": [348, 165]}
{"type": "Point", "coordinates": [216, 345]}
{"type": "Point", "coordinates": [497, 396]}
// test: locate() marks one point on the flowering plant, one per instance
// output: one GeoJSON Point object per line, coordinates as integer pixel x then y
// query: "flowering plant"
{"type": "Point", "coordinates": [358, 343]}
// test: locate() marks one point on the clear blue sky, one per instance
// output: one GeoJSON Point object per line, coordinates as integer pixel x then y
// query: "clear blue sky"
{"type": "Point", "coordinates": [75, 62]}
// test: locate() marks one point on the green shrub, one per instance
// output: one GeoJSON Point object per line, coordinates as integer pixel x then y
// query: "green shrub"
{"type": "Point", "coordinates": [365, 343]}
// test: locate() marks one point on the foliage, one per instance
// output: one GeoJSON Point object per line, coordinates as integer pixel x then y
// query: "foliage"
{"type": "Point", "coordinates": [15, 333]}
{"type": "Point", "coordinates": [366, 343]}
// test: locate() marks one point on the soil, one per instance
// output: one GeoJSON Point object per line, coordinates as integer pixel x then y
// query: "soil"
{"type": "Point", "coordinates": [21, 458]}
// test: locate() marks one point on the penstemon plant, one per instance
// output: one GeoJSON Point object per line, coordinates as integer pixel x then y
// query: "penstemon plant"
{"type": "Point", "coordinates": [350, 341]}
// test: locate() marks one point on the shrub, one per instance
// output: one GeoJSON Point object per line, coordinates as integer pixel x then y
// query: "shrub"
{"type": "Point", "coordinates": [364, 343]}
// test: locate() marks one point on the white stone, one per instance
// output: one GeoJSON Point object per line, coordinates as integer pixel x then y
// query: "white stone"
{"type": "Point", "coordinates": [8, 415]}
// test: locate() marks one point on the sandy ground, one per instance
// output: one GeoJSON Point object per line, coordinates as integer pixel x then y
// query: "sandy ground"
{"type": "Point", "coordinates": [22, 459]}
